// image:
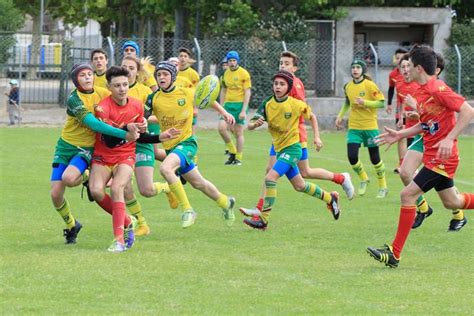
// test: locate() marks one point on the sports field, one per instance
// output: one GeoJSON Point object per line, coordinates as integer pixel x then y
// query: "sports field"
{"type": "Point", "coordinates": [305, 263]}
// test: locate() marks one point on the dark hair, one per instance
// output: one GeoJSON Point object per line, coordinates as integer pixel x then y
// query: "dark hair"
{"type": "Point", "coordinates": [99, 51]}
{"type": "Point", "coordinates": [115, 71]}
{"type": "Point", "coordinates": [184, 50]}
{"type": "Point", "coordinates": [424, 56]}
{"type": "Point", "coordinates": [440, 63]}
{"type": "Point", "coordinates": [404, 57]}
{"type": "Point", "coordinates": [292, 55]}
{"type": "Point", "coordinates": [401, 51]}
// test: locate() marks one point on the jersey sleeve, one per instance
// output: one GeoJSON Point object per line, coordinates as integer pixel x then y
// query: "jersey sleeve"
{"type": "Point", "coordinates": [391, 80]}
{"type": "Point", "coordinates": [375, 93]}
{"type": "Point", "coordinates": [304, 109]}
{"type": "Point", "coordinates": [148, 106]}
{"type": "Point", "coordinates": [261, 111]}
{"type": "Point", "coordinates": [246, 82]}
{"type": "Point", "coordinates": [75, 107]}
{"type": "Point", "coordinates": [448, 98]}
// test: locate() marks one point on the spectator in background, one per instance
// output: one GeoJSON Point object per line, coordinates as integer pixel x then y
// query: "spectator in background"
{"type": "Point", "coordinates": [13, 103]}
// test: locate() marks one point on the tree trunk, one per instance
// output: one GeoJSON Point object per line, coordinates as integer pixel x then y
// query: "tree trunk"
{"type": "Point", "coordinates": [181, 16]}
{"type": "Point", "coordinates": [35, 48]}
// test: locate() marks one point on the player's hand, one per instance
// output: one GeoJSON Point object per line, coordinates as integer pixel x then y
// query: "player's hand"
{"type": "Point", "coordinates": [359, 101]}
{"type": "Point", "coordinates": [445, 148]}
{"type": "Point", "coordinates": [319, 143]}
{"type": "Point", "coordinates": [242, 115]}
{"type": "Point", "coordinates": [339, 123]}
{"type": "Point", "coordinates": [390, 137]}
{"type": "Point", "coordinates": [132, 136]}
{"type": "Point", "coordinates": [229, 119]}
{"type": "Point", "coordinates": [412, 115]}
{"type": "Point", "coordinates": [388, 109]}
{"type": "Point", "coordinates": [132, 127]}
{"type": "Point", "coordinates": [170, 134]}
{"type": "Point", "coordinates": [142, 126]}
{"type": "Point", "coordinates": [258, 122]}
{"type": "Point", "coordinates": [400, 123]}
{"type": "Point", "coordinates": [410, 101]}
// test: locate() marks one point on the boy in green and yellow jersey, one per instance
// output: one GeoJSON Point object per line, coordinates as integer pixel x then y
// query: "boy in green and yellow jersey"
{"type": "Point", "coordinates": [76, 144]}
{"type": "Point", "coordinates": [235, 96]}
{"type": "Point", "coordinates": [99, 60]}
{"type": "Point", "coordinates": [173, 108]}
{"type": "Point", "coordinates": [282, 113]}
{"type": "Point", "coordinates": [363, 98]}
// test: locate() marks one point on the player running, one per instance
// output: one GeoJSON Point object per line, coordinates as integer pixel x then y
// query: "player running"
{"type": "Point", "coordinates": [282, 113]}
{"type": "Point", "coordinates": [437, 105]}
{"type": "Point", "coordinates": [363, 97]}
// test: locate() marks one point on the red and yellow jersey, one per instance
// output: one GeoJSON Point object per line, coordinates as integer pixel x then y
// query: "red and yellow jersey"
{"type": "Point", "coordinates": [437, 106]}
{"type": "Point", "coordinates": [173, 109]}
{"type": "Point", "coordinates": [109, 112]}
{"type": "Point", "coordinates": [78, 105]}
{"type": "Point", "coordinates": [403, 89]}
{"type": "Point", "coordinates": [236, 82]}
{"type": "Point", "coordinates": [100, 81]}
{"type": "Point", "coordinates": [362, 117]}
{"type": "Point", "coordinates": [139, 91]}
{"type": "Point", "coordinates": [283, 119]}
{"type": "Point", "coordinates": [190, 74]}
{"type": "Point", "coordinates": [298, 93]}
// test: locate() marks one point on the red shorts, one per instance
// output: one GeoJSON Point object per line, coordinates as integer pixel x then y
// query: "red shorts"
{"type": "Point", "coordinates": [113, 161]}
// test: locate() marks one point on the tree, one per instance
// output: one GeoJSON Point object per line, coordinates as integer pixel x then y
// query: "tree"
{"type": "Point", "coordinates": [11, 19]}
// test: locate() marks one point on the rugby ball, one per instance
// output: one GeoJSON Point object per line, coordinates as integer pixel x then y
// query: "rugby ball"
{"type": "Point", "coordinates": [207, 91]}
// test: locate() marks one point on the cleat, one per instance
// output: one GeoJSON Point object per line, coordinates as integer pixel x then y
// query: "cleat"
{"type": "Point", "coordinates": [226, 152]}
{"type": "Point", "coordinates": [231, 159]}
{"type": "Point", "coordinates": [347, 186]}
{"type": "Point", "coordinates": [363, 187]}
{"type": "Point", "coordinates": [71, 233]}
{"type": "Point", "coordinates": [236, 162]}
{"type": "Point", "coordinates": [142, 230]}
{"type": "Point", "coordinates": [455, 225]}
{"type": "Point", "coordinates": [384, 255]}
{"type": "Point", "coordinates": [172, 200]}
{"type": "Point", "coordinates": [188, 218]}
{"type": "Point", "coordinates": [333, 206]}
{"type": "Point", "coordinates": [420, 217]}
{"type": "Point", "coordinates": [229, 216]}
{"type": "Point", "coordinates": [250, 211]}
{"type": "Point", "coordinates": [256, 222]}
{"type": "Point", "coordinates": [128, 233]}
{"type": "Point", "coordinates": [382, 193]}
{"type": "Point", "coordinates": [116, 247]}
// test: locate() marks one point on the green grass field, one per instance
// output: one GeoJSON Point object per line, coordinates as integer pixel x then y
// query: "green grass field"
{"type": "Point", "coordinates": [305, 263]}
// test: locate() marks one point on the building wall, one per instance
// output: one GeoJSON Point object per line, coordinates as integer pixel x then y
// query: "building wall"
{"type": "Point", "coordinates": [440, 18]}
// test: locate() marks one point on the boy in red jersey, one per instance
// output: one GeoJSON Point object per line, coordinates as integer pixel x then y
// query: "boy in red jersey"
{"type": "Point", "coordinates": [396, 78]}
{"type": "Point", "coordinates": [437, 105]}
{"type": "Point", "coordinates": [115, 157]}
{"type": "Point", "coordinates": [289, 61]}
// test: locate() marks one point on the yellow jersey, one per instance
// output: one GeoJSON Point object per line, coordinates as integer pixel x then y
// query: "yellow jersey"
{"type": "Point", "coordinates": [150, 81]}
{"type": "Point", "coordinates": [139, 91]}
{"type": "Point", "coordinates": [183, 82]}
{"type": "Point", "coordinates": [173, 109]}
{"type": "Point", "coordinates": [282, 118]}
{"type": "Point", "coordinates": [362, 117]}
{"type": "Point", "coordinates": [100, 80]}
{"type": "Point", "coordinates": [191, 74]}
{"type": "Point", "coordinates": [236, 82]}
{"type": "Point", "coordinates": [79, 104]}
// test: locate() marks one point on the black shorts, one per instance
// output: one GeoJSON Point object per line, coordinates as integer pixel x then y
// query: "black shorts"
{"type": "Point", "coordinates": [427, 179]}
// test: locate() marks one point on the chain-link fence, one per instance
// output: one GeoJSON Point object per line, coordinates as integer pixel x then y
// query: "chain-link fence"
{"type": "Point", "coordinates": [43, 67]}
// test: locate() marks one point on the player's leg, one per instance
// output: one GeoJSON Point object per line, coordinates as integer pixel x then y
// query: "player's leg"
{"type": "Point", "coordinates": [379, 166]}
{"type": "Point", "coordinates": [168, 167]}
{"type": "Point", "coordinates": [412, 160]}
{"type": "Point", "coordinates": [331, 199]}
{"type": "Point", "coordinates": [223, 129]}
{"type": "Point", "coordinates": [122, 224]}
{"type": "Point", "coordinates": [99, 176]}
{"type": "Point", "coordinates": [343, 179]}
{"type": "Point", "coordinates": [261, 200]}
{"type": "Point", "coordinates": [453, 199]}
{"type": "Point", "coordinates": [226, 203]}
{"type": "Point", "coordinates": [240, 139]}
{"type": "Point", "coordinates": [134, 206]}
{"type": "Point", "coordinates": [354, 140]}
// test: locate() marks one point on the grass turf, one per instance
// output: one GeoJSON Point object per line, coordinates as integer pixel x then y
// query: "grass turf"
{"type": "Point", "coordinates": [304, 263]}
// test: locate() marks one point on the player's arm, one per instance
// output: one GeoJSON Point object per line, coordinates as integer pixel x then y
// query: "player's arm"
{"type": "Point", "coordinates": [76, 108]}
{"type": "Point", "coordinates": [247, 94]}
{"type": "Point", "coordinates": [313, 120]}
{"type": "Point", "coordinates": [342, 112]}
{"type": "Point", "coordinates": [375, 104]}
{"type": "Point", "coordinates": [226, 115]}
{"type": "Point", "coordinates": [391, 93]}
{"type": "Point", "coordinates": [392, 136]}
{"type": "Point", "coordinates": [445, 146]}
{"type": "Point", "coordinates": [260, 116]}
{"type": "Point", "coordinates": [146, 138]}
{"type": "Point", "coordinates": [222, 93]}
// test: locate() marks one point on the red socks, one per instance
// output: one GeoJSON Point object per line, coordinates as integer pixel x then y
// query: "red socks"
{"type": "Point", "coordinates": [405, 222]}
{"type": "Point", "coordinates": [106, 204]}
{"type": "Point", "coordinates": [468, 201]}
{"type": "Point", "coordinates": [118, 219]}
{"type": "Point", "coordinates": [338, 178]}
{"type": "Point", "coordinates": [260, 204]}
